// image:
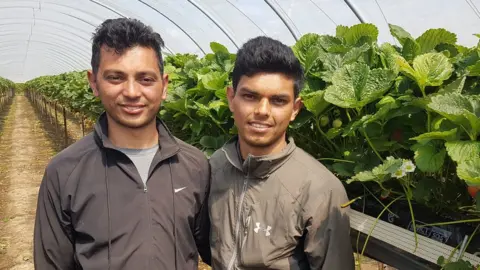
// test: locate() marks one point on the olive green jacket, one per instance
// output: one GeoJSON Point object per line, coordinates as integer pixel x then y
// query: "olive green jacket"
{"type": "Point", "coordinates": [281, 211]}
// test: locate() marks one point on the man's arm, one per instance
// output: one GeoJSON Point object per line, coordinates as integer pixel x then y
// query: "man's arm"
{"type": "Point", "coordinates": [202, 222]}
{"type": "Point", "coordinates": [53, 241]}
{"type": "Point", "coordinates": [327, 243]}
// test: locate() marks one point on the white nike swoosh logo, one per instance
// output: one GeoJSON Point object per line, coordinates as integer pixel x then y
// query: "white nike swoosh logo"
{"type": "Point", "coordinates": [179, 189]}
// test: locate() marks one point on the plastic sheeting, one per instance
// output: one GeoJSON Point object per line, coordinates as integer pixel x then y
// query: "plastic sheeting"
{"type": "Point", "coordinates": [45, 37]}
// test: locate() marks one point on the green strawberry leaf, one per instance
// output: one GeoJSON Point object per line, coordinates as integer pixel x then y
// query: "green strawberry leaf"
{"type": "Point", "coordinates": [460, 109]}
{"type": "Point", "coordinates": [399, 33]}
{"type": "Point", "coordinates": [410, 49]}
{"type": "Point", "coordinates": [449, 135]}
{"type": "Point", "coordinates": [433, 37]}
{"type": "Point", "coordinates": [459, 151]}
{"type": "Point", "coordinates": [469, 171]}
{"type": "Point", "coordinates": [315, 102]}
{"type": "Point", "coordinates": [454, 87]}
{"type": "Point", "coordinates": [429, 69]}
{"type": "Point", "coordinates": [361, 33]}
{"type": "Point", "coordinates": [429, 157]}
{"type": "Point", "coordinates": [355, 85]}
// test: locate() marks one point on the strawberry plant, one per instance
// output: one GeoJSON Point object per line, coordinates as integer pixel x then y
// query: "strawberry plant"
{"type": "Point", "coordinates": [6, 85]}
{"type": "Point", "coordinates": [197, 108]}
{"type": "Point", "coordinates": [70, 90]}
{"type": "Point", "coordinates": [413, 102]}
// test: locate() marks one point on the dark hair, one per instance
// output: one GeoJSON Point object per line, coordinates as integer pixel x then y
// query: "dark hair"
{"type": "Point", "coordinates": [264, 54]}
{"type": "Point", "coordinates": [124, 33]}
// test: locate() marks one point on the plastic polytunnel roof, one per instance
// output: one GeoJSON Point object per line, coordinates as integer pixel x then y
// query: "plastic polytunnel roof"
{"type": "Point", "coordinates": [45, 37]}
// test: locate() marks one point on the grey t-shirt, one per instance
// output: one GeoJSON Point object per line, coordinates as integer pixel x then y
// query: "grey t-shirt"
{"type": "Point", "coordinates": [142, 158]}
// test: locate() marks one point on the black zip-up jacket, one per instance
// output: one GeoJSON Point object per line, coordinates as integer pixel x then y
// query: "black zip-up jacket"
{"type": "Point", "coordinates": [94, 211]}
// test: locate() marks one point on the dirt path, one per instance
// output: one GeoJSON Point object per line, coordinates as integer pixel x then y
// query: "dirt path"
{"type": "Point", "coordinates": [24, 152]}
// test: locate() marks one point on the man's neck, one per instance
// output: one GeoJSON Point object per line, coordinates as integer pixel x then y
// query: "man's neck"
{"type": "Point", "coordinates": [275, 148]}
{"type": "Point", "coordinates": [124, 137]}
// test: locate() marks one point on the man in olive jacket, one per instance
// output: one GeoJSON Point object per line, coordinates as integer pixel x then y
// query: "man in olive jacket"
{"type": "Point", "coordinates": [272, 205]}
{"type": "Point", "coordinates": [129, 195]}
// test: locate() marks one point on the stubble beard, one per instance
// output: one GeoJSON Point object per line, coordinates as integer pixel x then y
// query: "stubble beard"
{"type": "Point", "coordinates": [262, 144]}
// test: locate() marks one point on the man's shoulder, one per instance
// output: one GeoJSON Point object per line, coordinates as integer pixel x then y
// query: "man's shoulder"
{"type": "Point", "coordinates": [314, 174]}
{"type": "Point", "coordinates": [67, 159]}
{"type": "Point", "coordinates": [311, 181]}
{"type": "Point", "coordinates": [192, 154]}
{"type": "Point", "coordinates": [218, 160]}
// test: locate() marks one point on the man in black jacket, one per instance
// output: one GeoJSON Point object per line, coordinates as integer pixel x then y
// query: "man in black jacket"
{"type": "Point", "coordinates": [129, 195]}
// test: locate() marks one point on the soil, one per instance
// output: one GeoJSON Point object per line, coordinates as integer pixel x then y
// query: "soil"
{"type": "Point", "coordinates": [29, 138]}
{"type": "Point", "coordinates": [24, 152]}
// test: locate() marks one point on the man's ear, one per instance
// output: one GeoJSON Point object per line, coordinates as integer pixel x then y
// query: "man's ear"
{"type": "Point", "coordinates": [92, 80]}
{"type": "Point", "coordinates": [230, 96]}
{"type": "Point", "coordinates": [297, 106]}
{"type": "Point", "coordinates": [165, 86]}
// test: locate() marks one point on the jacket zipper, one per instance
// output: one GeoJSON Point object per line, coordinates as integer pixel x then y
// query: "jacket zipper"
{"type": "Point", "coordinates": [246, 226]}
{"type": "Point", "coordinates": [239, 216]}
{"type": "Point", "coordinates": [145, 191]}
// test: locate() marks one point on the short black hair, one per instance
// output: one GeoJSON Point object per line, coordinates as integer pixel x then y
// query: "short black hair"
{"type": "Point", "coordinates": [124, 33]}
{"type": "Point", "coordinates": [265, 54]}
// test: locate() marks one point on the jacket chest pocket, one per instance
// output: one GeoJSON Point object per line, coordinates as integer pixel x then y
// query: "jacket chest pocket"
{"type": "Point", "coordinates": [270, 232]}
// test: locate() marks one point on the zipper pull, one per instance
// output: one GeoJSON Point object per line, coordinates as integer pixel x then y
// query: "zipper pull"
{"type": "Point", "coordinates": [247, 225]}
{"type": "Point", "coordinates": [145, 188]}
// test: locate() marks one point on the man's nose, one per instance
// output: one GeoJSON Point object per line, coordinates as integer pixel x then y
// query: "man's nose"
{"type": "Point", "coordinates": [131, 89]}
{"type": "Point", "coordinates": [263, 107]}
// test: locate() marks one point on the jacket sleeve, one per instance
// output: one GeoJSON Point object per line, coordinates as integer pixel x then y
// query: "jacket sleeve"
{"type": "Point", "coordinates": [202, 223]}
{"type": "Point", "coordinates": [327, 243]}
{"type": "Point", "coordinates": [53, 241]}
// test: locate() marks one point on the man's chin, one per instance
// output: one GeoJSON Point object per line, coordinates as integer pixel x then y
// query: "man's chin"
{"type": "Point", "coordinates": [134, 123]}
{"type": "Point", "coordinates": [260, 142]}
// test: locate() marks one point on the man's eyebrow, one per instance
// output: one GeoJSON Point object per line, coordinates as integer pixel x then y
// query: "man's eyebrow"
{"type": "Point", "coordinates": [255, 93]}
{"type": "Point", "coordinates": [249, 91]}
{"type": "Point", "coordinates": [112, 71]}
{"type": "Point", "coordinates": [141, 73]}
{"type": "Point", "coordinates": [284, 96]}
{"type": "Point", "coordinates": [148, 73]}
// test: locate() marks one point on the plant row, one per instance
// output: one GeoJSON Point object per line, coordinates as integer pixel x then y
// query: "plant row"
{"type": "Point", "coordinates": [6, 86]}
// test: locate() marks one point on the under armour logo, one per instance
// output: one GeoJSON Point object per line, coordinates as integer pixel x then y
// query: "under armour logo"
{"type": "Point", "coordinates": [259, 227]}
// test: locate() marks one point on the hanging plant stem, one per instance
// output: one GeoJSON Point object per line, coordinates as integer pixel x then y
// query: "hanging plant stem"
{"type": "Point", "coordinates": [371, 145]}
{"type": "Point", "coordinates": [376, 221]}
{"type": "Point", "coordinates": [406, 188]}
{"type": "Point", "coordinates": [317, 122]}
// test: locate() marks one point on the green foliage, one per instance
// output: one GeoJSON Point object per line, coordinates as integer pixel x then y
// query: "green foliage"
{"type": "Point", "coordinates": [355, 85]}
{"type": "Point", "coordinates": [462, 110]}
{"type": "Point", "coordinates": [429, 69]}
{"type": "Point", "coordinates": [69, 89]}
{"type": "Point", "coordinates": [197, 107]}
{"type": "Point", "coordinates": [6, 85]}
{"type": "Point", "coordinates": [456, 265]}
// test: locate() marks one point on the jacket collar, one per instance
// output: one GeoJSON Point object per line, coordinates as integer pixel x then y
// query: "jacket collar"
{"type": "Point", "coordinates": [167, 145]}
{"type": "Point", "coordinates": [257, 166]}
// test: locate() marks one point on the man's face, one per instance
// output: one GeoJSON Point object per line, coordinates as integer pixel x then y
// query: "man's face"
{"type": "Point", "coordinates": [263, 107]}
{"type": "Point", "coordinates": [130, 86]}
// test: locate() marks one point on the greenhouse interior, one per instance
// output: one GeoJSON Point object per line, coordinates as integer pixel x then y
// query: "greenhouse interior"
{"type": "Point", "coordinates": [391, 106]}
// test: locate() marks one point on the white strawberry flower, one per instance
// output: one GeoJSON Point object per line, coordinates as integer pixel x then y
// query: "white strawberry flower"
{"type": "Point", "coordinates": [399, 173]}
{"type": "Point", "coordinates": [408, 166]}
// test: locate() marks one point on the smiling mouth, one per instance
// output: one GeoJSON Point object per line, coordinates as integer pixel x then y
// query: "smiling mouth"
{"type": "Point", "coordinates": [132, 109]}
{"type": "Point", "coordinates": [259, 126]}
